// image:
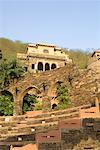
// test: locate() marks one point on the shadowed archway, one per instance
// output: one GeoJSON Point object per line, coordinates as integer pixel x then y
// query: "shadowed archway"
{"type": "Point", "coordinates": [40, 66]}
{"type": "Point", "coordinates": [19, 103]}
{"type": "Point", "coordinates": [53, 66]}
{"type": "Point", "coordinates": [47, 66]}
{"type": "Point", "coordinates": [54, 106]}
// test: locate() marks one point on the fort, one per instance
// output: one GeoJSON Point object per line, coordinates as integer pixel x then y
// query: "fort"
{"type": "Point", "coordinates": [42, 57]}
{"type": "Point", "coordinates": [74, 128]}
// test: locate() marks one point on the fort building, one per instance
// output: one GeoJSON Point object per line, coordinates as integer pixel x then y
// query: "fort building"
{"type": "Point", "coordinates": [42, 57]}
{"type": "Point", "coordinates": [96, 55]}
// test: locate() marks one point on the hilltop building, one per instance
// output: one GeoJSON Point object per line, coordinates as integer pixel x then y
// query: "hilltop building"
{"type": "Point", "coordinates": [96, 55]}
{"type": "Point", "coordinates": [42, 57]}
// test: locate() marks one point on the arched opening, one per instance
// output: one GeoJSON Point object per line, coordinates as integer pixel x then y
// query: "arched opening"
{"type": "Point", "coordinates": [54, 106]}
{"type": "Point", "coordinates": [53, 66]}
{"type": "Point", "coordinates": [6, 103]}
{"type": "Point", "coordinates": [29, 99]}
{"type": "Point", "coordinates": [47, 66]}
{"type": "Point", "coordinates": [40, 66]}
{"type": "Point", "coordinates": [65, 63]}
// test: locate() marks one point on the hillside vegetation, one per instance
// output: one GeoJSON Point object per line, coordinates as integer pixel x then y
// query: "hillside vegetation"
{"type": "Point", "coordinates": [10, 48]}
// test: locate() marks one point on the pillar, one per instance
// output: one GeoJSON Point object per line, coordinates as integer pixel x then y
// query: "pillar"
{"type": "Point", "coordinates": [43, 66]}
{"type": "Point", "coordinates": [50, 66]}
{"type": "Point", "coordinates": [35, 69]}
{"type": "Point", "coordinates": [97, 105]}
{"type": "Point", "coordinates": [17, 110]}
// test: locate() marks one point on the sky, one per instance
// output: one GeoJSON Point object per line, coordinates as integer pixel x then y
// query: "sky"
{"type": "Point", "coordinates": [65, 23]}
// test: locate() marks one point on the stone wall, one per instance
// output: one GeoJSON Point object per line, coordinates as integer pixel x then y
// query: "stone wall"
{"type": "Point", "coordinates": [85, 137]}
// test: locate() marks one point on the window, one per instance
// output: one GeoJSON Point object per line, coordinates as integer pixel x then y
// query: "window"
{"type": "Point", "coordinates": [47, 66]}
{"type": "Point", "coordinates": [40, 66]}
{"type": "Point", "coordinates": [65, 63]}
{"type": "Point", "coordinates": [45, 51]}
{"type": "Point", "coordinates": [32, 66]}
{"type": "Point", "coordinates": [53, 66]}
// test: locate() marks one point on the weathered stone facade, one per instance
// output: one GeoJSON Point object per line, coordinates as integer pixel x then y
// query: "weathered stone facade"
{"type": "Point", "coordinates": [42, 57]}
{"type": "Point", "coordinates": [83, 87]}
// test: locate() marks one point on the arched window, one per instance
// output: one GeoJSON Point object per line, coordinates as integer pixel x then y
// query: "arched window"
{"type": "Point", "coordinates": [45, 51]}
{"type": "Point", "coordinates": [47, 66]}
{"type": "Point", "coordinates": [53, 66]}
{"type": "Point", "coordinates": [40, 66]}
{"type": "Point", "coordinates": [54, 106]}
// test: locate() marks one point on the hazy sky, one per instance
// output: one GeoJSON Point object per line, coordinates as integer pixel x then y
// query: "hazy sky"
{"type": "Point", "coordinates": [66, 23]}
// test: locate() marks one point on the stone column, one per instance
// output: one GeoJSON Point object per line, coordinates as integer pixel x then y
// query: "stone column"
{"type": "Point", "coordinates": [46, 101]}
{"type": "Point", "coordinates": [50, 66]}
{"type": "Point", "coordinates": [43, 66]}
{"type": "Point", "coordinates": [57, 65]}
{"type": "Point", "coordinates": [97, 105]}
{"type": "Point", "coordinates": [18, 103]}
{"type": "Point", "coordinates": [36, 67]}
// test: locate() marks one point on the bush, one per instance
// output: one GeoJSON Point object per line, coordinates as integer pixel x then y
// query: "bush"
{"type": "Point", "coordinates": [6, 105]}
{"type": "Point", "coordinates": [63, 96]}
{"type": "Point", "coordinates": [38, 106]}
{"type": "Point", "coordinates": [29, 102]}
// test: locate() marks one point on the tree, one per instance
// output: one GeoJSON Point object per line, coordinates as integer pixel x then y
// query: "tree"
{"type": "Point", "coordinates": [6, 105]}
{"type": "Point", "coordinates": [29, 102]}
{"type": "Point", "coordinates": [63, 96]}
{"type": "Point", "coordinates": [4, 73]}
{"type": "Point", "coordinates": [9, 71]}
{"type": "Point", "coordinates": [15, 70]}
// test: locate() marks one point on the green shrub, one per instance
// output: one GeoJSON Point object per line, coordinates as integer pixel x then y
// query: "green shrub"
{"type": "Point", "coordinates": [6, 105]}
{"type": "Point", "coordinates": [38, 106]}
{"type": "Point", "coordinates": [63, 96]}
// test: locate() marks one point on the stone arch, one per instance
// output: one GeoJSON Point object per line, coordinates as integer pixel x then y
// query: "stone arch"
{"type": "Point", "coordinates": [47, 66]}
{"type": "Point", "coordinates": [54, 106]}
{"type": "Point", "coordinates": [53, 66]}
{"type": "Point", "coordinates": [21, 96]}
{"type": "Point", "coordinates": [7, 91]}
{"type": "Point", "coordinates": [40, 66]}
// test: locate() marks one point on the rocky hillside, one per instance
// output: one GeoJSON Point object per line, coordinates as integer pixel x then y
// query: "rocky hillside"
{"type": "Point", "coordinates": [10, 48]}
